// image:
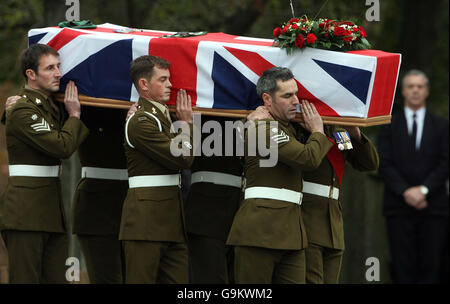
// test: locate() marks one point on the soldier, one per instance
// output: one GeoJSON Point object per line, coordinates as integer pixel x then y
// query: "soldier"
{"type": "Point", "coordinates": [98, 199]}
{"type": "Point", "coordinates": [322, 210]}
{"type": "Point", "coordinates": [213, 200]}
{"type": "Point", "coordinates": [268, 229]}
{"type": "Point", "coordinates": [152, 224]}
{"type": "Point", "coordinates": [38, 135]}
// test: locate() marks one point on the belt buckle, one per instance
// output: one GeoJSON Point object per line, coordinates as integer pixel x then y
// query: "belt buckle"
{"type": "Point", "coordinates": [330, 195]}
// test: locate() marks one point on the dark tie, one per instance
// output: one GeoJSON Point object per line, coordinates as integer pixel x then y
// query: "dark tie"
{"type": "Point", "coordinates": [414, 131]}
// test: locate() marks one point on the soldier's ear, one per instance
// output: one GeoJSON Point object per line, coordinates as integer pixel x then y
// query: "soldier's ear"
{"type": "Point", "coordinates": [267, 99]}
{"type": "Point", "coordinates": [31, 74]}
{"type": "Point", "coordinates": [143, 84]}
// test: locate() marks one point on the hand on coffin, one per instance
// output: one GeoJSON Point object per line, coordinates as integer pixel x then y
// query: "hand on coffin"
{"type": "Point", "coordinates": [354, 132]}
{"type": "Point", "coordinates": [131, 111]}
{"type": "Point", "coordinates": [260, 112]}
{"type": "Point", "coordinates": [71, 100]}
{"type": "Point", "coordinates": [311, 118]}
{"type": "Point", "coordinates": [184, 106]}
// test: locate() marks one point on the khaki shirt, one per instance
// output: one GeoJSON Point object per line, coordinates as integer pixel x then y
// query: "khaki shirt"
{"type": "Point", "coordinates": [323, 215]}
{"type": "Point", "coordinates": [37, 134]}
{"type": "Point", "coordinates": [153, 213]}
{"type": "Point", "coordinates": [273, 223]}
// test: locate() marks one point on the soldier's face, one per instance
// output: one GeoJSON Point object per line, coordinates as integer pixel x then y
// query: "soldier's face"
{"type": "Point", "coordinates": [283, 104]}
{"type": "Point", "coordinates": [48, 74]}
{"type": "Point", "coordinates": [159, 86]}
{"type": "Point", "coordinates": [415, 91]}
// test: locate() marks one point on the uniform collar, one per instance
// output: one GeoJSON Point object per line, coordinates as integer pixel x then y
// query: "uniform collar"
{"type": "Point", "coordinates": [41, 94]}
{"type": "Point", "coordinates": [153, 107]}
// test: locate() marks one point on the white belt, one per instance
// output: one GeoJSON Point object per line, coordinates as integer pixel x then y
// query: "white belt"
{"type": "Point", "coordinates": [274, 193]}
{"type": "Point", "coordinates": [33, 171]}
{"type": "Point", "coordinates": [154, 180]}
{"type": "Point", "coordinates": [104, 173]}
{"type": "Point", "coordinates": [321, 190]}
{"type": "Point", "coordinates": [216, 178]}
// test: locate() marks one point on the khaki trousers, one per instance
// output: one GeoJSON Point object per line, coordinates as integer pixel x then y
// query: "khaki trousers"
{"type": "Point", "coordinates": [36, 257]}
{"type": "Point", "coordinates": [148, 262]}
{"type": "Point", "coordinates": [323, 265]}
{"type": "Point", "coordinates": [255, 265]}
{"type": "Point", "coordinates": [104, 259]}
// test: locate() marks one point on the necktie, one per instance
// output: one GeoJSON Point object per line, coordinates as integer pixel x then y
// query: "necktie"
{"type": "Point", "coordinates": [414, 131]}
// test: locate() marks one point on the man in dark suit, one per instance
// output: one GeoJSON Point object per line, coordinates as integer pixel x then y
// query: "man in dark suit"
{"type": "Point", "coordinates": [413, 153]}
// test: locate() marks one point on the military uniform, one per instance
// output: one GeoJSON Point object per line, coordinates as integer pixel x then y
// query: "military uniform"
{"type": "Point", "coordinates": [31, 211]}
{"type": "Point", "coordinates": [212, 202]}
{"type": "Point", "coordinates": [152, 224]}
{"type": "Point", "coordinates": [268, 229]}
{"type": "Point", "coordinates": [322, 210]}
{"type": "Point", "coordinates": [98, 199]}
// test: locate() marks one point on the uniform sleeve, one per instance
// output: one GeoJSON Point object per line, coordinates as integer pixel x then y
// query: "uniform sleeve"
{"type": "Point", "coordinates": [306, 156]}
{"type": "Point", "coordinates": [28, 125]}
{"type": "Point", "coordinates": [145, 134]}
{"type": "Point", "coordinates": [363, 156]}
{"type": "Point", "coordinates": [392, 177]}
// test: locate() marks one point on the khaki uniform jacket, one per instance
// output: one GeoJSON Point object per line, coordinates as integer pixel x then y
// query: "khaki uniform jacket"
{"type": "Point", "coordinates": [36, 134]}
{"type": "Point", "coordinates": [210, 208]}
{"type": "Point", "coordinates": [322, 215]}
{"type": "Point", "coordinates": [97, 203]}
{"type": "Point", "coordinates": [153, 213]}
{"type": "Point", "coordinates": [270, 223]}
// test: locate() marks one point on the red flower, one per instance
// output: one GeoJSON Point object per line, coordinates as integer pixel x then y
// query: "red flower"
{"type": "Point", "coordinates": [277, 32]}
{"type": "Point", "coordinates": [303, 28]}
{"type": "Point", "coordinates": [294, 26]}
{"type": "Point", "coordinates": [294, 20]}
{"type": "Point", "coordinates": [311, 38]}
{"type": "Point", "coordinates": [322, 25]}
{"type": "Point", "coordinates": [284, 30]}
{"type": "Point", "coordinates": [348, 38]}
{"type": "Point", "coordinates": [363, 32]}
{"type": "Point", "coordinates": [348, 23]}
{"type": "Point", "coordinates": [300, 41]}
{"type": "Point", "coordinates": [339, 31]}
{"type": "Point", "coordinates": [355, 30]}
{"type": "Point", "coordinates": [325, 35]}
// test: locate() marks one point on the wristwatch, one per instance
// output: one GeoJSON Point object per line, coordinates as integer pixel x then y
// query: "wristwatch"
{"type": "Point", "coordinates": [424, 190]}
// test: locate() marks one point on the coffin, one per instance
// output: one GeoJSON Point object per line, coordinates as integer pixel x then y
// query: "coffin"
{"type": "Point", "coordinates": [220, 71]}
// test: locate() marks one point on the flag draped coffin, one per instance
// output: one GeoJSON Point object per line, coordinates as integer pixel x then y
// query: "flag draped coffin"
{"type": "Point", "coordinates": [220, 71]}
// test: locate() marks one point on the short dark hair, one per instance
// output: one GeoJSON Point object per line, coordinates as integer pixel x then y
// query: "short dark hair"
{"type": "Point", "coordinates": [31, 56]}
{"type": "Point", "coordinates": [267, 83]}
{"type": "Point", "coordinates": [143, 67]}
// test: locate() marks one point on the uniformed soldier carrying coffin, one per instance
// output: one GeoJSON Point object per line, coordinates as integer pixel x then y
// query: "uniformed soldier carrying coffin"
{"type": "Point", "coordinates": [268, 229]}
{"type": "Point", "coordinates": [38, 135]}
{"type": "Point", "coordinates": [152, 225]}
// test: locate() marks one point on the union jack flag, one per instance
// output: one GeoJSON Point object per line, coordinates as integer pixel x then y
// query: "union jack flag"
{"type": "Point", "coordinates": [220, 70]}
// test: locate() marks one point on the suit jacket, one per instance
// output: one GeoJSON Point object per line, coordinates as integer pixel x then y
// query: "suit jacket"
{"type": "Point", "coordinates": [272, 223]}
{"type": "Point", "coordinates": [97, 203]}
{"type": "Point", "coordinates": [37, 134]}
{"type": "Point", "coordinates": [402, 167]}
{"type": "Point", "coordinates": [210, 208]}
{"type": "Point", "coordinates": [323, 215]}
{"type": "Point", "coordinates": [153, 213]}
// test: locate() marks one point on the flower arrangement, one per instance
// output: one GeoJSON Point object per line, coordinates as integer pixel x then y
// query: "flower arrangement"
{"type": "Point", "coordinates": [325, 34]}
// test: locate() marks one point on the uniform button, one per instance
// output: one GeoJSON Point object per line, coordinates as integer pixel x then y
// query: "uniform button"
{"type": "Point", "coordinates": [100, 129]}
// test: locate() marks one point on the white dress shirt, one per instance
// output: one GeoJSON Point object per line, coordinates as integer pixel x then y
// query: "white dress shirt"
{"type": "Point", "coordinates": [420, 118]}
